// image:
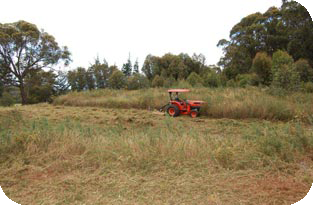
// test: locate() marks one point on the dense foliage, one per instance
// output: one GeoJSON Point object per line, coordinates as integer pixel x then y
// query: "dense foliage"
{"type": "Point", "coordinates": [272, 49]}
{"type": "Point", "coordinates": [288, 28]}
{"type": "Point", "coordinates": [23, 49]}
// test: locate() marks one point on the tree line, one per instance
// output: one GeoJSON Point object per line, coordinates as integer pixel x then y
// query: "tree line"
{"type": "Point", "coordinates": [273, 49]}
{"type": "Point", "coordinates": [100, 75]}
{"type": "Point", "coordinates": [288, 28]}
{"type": "Point", "coordinates": [156, 72]}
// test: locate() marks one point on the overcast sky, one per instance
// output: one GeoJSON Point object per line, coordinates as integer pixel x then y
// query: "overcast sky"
{"type": "Point", "coordinates": [113, 28]}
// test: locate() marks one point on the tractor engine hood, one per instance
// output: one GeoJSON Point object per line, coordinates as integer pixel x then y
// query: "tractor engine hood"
{"type": "Point", "coordinates": [196, 102]}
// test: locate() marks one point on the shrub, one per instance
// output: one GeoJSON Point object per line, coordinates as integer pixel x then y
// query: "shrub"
{"type": "Point", "coordinates": [284, 75]}
{"type": "Point", "coordinates": [262, 67]}
{"type": "Point", "coordinates": [304, 69]}
{"type": "Point", "coordinates": [223, 79]}
{"type": "Point", "coordinates": [182, 84]}
{"type": "Point", "coordinates": [169, 82]}
{"type": "Point", "coordinates": [1, 88]}
{"type": "Point", "coordinates": [281, 58]}
{"type": "Point", "coordinates": [194, 78]}
{"type": "Point", "coordinates": [307, 87]}
{"type": "Point", "coordinates": [39, 94]}
{"type": "Point", "coordinates": [137, 81]}
{"type": "Point", "coordinates": [211, 80]}
{"type": "Point", "coordinates": [157, 81]}
{"type": "Point", "coordinates": [6, 99]}
{"type": "Point", "coordinates": [117, 80]}
{"type": "Point", "coordinates": [231, 83]}
{"type": "Point", "coordinates": [247, 79]}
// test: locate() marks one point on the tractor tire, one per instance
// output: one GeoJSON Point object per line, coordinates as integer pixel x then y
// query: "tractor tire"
{"type": "Point", "coordinates": [194, 113]}
{"type": "Point", "coordinates": [172, 110]}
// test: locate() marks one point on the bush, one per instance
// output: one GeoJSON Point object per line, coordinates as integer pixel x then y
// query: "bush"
{"type": "Point", "coordinates": [283, 72]}
{"type": "Point", "coordinates": [285, 77]}
{"type": "Point", "coordinates": [169, 82]}
{"type": "Point", "coordinates": [182, 84]}
{"type": "Point", "coordinates": [307, 87]}
{"type": "Point", "coordinates": [223, 79]}
{"type": "Point", "coordinates": [247, 79]}
{"type": "Point", "coordinates": [281, 58]}
{"type": "Point", "coordinates": [304, 69]}
{"type": "Point", "coordinates": [262, 67]}
{"type": "Point", "coordinates": [211, 80]}
{"type": "Point", "coordinates": [1, 88]}
{"type": "Point", "coordinates": [137, 81]}
{"type": "Point", "coordinates": [117, 80]}
{"type": "Point", "coordinates": [6, 99]}
{"type": "Point", "coordinates": [39, 94]}
{"type": "Point", "coordinates": [157, 81]}
{"type": "Point", "coordinates": [194, 78]}
{"type": "Point", "coordinates": [231, 83]}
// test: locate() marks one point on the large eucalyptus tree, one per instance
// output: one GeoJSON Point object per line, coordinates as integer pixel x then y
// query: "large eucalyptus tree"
{"type": "Point", "coordinates": [25, 48]}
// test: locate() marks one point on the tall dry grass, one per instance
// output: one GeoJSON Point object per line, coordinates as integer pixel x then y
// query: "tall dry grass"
{"type": "Point", "coordinates": [235, 103]}
{"type": "Point", "coordinates": [51, 159]}
{"type": "Point", "coordinates": [142, 147]}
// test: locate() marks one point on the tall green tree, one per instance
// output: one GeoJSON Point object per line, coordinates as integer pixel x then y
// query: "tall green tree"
{"type": "Point", "coordinates": [81, 79]}
{"type": "Point", "coordinates": [288, 28]}
{"type": "Point", "coordinates": [176, 66]}
{"type": "Point", "coordinates": [61, 84]}
{"type": "Point", "coordinates": [23, 48]}
{"type": "Point", "coordinates": [136, 67]}
{"type": "Point", "coordinates": [77, 79]}
{"type": "Point", "coordinates": [101, 73]}
{"type": "Point", "coordinates": [246, 37]}
{"type": "Point", "coordinates": [197, 63]}
{"type": "Point", "coordinates": [112, 69]}
{"type": "Point", "coordinates": [299, 28]}
{"type": "Point", "coordinates": [90, 80]}
{"type": "Point", "coordinates": [72, 80]}
{"type": "Point", "coordinates": [127, 68]}
{"type": "Point", "coordinates": [148, 67]}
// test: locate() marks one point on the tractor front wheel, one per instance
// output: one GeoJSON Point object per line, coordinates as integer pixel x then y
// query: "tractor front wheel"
{"type": "Point", "coordinates": [194, 114]}
{"type": "Point", "coordinates": [172, 110]}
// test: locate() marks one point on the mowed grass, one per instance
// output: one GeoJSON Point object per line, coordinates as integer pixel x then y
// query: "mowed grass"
{"type": "Point", "coordinates": [234, 103]}
{"type": "Point", "coordinates": [93, 155]}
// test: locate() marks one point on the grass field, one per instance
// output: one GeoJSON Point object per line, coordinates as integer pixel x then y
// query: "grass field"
{"type": "Point", "coordinates": [234, 103]}
{"type": "Point", "coordinates": [56, 154]}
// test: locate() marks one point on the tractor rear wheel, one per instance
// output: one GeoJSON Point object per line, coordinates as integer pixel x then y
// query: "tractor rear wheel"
{"type": "Point", "coordinates": [172, 110]}
{"type": "Point", "coordinates": [194, 114]}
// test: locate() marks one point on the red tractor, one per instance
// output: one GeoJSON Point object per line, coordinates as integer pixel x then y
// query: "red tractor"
{"type": "Point", "coordinates": [178, 106]}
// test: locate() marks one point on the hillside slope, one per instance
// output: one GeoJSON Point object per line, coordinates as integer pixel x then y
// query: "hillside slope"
{"type": "Point", "coordinates": [92, 155]}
